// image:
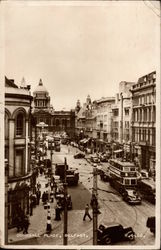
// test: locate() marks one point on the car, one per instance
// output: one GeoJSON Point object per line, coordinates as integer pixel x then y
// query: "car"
{"type": "Point", "coordinates": [104, 157]}
{"type": "Point", "coordinates": [114, 232]}
{"type": "Point", "coordinates": [144, 174]}
{"type": "Point", "coordinates": [151, 224]}
{"type": "Point", "coordinates": [79, 155]}
{"type": "Point", "coordinates": [104, 174]}
{"type": "Point", "coordinates": [61, 201]}
{"type": "Point", "coordinates": [95, 159]}
{"type": "Point", "coordinates": [131, 196]}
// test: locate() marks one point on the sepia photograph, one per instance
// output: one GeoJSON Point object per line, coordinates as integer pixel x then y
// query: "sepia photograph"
{"type": "Point", "coordinates": [80, 124]}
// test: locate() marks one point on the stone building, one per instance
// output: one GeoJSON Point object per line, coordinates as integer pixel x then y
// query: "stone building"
{"type": "Point", "coordinates": [144, 120]}
{"type": "Point", "coordinates": [93, 121]}
{"type": "Point", "coordinates": [43, 112]}
{"type": "Point", "coordinates": [17, 147]}
{"type": "Point", "coordinates": [122, 114]}
{"type": "Point", "coordinates": [103, 127]}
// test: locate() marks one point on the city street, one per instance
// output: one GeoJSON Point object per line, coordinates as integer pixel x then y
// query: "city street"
{"type": "Point", "coordinates": [112, 207]}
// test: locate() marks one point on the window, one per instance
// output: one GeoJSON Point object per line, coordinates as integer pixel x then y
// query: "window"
{"type": "Point", "coordinates": [127, 124]}
{"type": "Point", "coordinates": [149, 114]}
{"type": "Point", "coordinates": [126, 111]}
{"type": "Point", "coordinates": [150, 99]}
{"type": "Point", "coordinates": [19, 170]}
{"type": "Point", "coordinates": [127, 182]}
{"type": "Point", "coordinates": [19, 125]}
{"type": "Point", "coordinates": [133, 182]}
{"type": "Point", "coordinates": [6, 128]}
{"type": "Point", "coordinates": [145, 115]}
{"type": "Point", "coordinates": [57, 123]}
{"type": "Point", "coordinates": [115, 112]}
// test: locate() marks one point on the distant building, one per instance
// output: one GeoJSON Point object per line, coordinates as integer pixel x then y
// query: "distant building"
{"type": "Point", "coordinates": [144, 120]}
{"type": "Point", "coordinates": [43, 111]}
{"type": "Point", "coordinates": [103, 121]}
{"type": "Point", "coordinates": [17, 147]}
{"type": "Point", "coordinates": [93, 121]}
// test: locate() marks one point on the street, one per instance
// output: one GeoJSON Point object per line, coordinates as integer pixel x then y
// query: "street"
{"type": "Point", "coordinates": [112, 207]}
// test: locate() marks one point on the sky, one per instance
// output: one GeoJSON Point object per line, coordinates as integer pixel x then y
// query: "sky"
{"type": "Point", "coordinates": [80, 48]}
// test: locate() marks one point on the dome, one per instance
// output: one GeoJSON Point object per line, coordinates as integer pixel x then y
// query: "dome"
{"type": "Point", "coordinates": [40, 88]}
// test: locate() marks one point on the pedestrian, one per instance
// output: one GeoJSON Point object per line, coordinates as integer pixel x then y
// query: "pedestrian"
{"type": "Point", "coordinates": [38, 195]}
{"type": "Point", "coordinates": [18, 223]}
{"type": "Point", "coordinates": [31, 208]}
{"type": "Point", "coordinates": [34, 200]}
{"type": "Point", "coordinates": [57, 212]}
{"type": "Point", "coordinates": [87, 212]}
{"type": "Point", "coordinates": [46, 196]}
{"type": "Point", "coordinates": [43, 197]}
{"type": "Point", "coordinates": [38, 185]}
{"type": "Point", "coordinates": [26, 224]}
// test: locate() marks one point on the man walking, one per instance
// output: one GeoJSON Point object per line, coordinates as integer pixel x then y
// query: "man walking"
{"type": "Point", "coordinates": [87, 212]}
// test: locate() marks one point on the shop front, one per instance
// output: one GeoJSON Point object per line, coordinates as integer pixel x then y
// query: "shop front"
{"type": "Point", "coordinates": [18, 200]}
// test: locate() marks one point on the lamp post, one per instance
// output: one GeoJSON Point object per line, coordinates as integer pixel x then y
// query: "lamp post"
{"type": "Point", "coordinates": [94, 204]}
{"type": "Point", "coordinates": [65, 236]}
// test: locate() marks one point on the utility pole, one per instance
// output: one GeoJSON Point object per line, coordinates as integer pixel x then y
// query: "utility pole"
{"type": "Point", "coordinates": [94, 204]}
{"type": "Point", "coordinates": [65, 236]}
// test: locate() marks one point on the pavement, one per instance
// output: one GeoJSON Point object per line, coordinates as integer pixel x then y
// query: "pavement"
{"type": "Point", "coordinates": [38, 220]}
{"type": "Point", "coordinates": [79, 231]}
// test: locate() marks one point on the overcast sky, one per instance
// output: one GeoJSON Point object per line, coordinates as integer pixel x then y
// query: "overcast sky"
{"type": "Point", "coordinates": [80, 48]}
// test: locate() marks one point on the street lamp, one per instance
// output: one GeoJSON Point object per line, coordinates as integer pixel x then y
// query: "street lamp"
{"type": "Point", "coordinates": [94, 204]}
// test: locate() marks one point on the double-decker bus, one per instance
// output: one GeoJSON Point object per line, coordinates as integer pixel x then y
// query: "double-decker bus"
{"type": "Point", "coordinates": [122, 175]}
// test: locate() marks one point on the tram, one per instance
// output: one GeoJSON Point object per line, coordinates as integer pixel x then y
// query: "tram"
{"type": "Point", "coordinates": [122, 175]}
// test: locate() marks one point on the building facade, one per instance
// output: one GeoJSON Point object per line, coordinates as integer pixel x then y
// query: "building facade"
{"type": "Point", "coordinates": [17, 147]}
{"type": "Point", "coordinates": [144, 120]}
{"type": "Point", "coordinates": [93, 121]}
{"type": "Point", "coordinates": [43, 112]}
{"type": "Point", "coordinates": [122, 114]}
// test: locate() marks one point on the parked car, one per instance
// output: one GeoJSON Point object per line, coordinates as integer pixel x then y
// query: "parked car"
{"type": "Point", "coordinates": [95, 159]}
{"type": "Point", "coordinates": [131, 196]}
{"type": "Point", "coordinates": [104, 173]}
{"type": "Point", "coordinates": [151, 224]}
{"type": "Point", "coordinates": [108, 234]}
{"type": "Point", "coordinates": [79, 155]}
{"type": "Point", "coordinates": [61, 201]}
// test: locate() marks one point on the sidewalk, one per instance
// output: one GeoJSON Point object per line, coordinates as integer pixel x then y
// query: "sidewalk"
{"type": "Point", "coordinates": [38, 220]}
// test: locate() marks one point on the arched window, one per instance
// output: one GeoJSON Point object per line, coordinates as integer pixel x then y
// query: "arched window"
{"type": "Point", "coordinates": [57, 123]}
{"type": "Point", "coordinates": [19, 125]}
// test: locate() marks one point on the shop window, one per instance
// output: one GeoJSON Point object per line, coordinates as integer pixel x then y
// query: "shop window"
{"type": "Point", "coordinates": [19, 125]}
